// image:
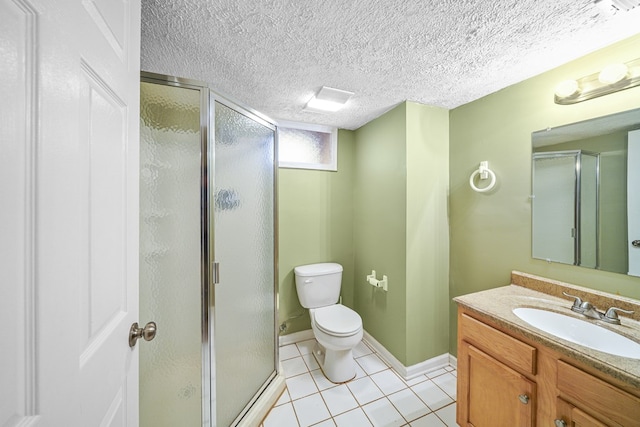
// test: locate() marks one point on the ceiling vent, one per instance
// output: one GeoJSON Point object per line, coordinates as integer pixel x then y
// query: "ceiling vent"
{"type": "Point", "coordinates": [613, 6]}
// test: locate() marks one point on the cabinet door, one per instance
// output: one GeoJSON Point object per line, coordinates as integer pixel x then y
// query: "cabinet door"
{"type": "Point", "coordinates": [492, 394]}
{"type": "Point", "coordinates": [575, 416]}
{"type": "Point", "coordinates": [600, 398]}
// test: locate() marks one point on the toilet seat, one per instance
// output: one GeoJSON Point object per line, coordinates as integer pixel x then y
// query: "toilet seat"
{"type": "Point", "coordinates": [337, 320]}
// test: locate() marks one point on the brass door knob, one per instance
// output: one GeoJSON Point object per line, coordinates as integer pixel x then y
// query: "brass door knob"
{"type": "Point", "coordinates": [135, 333]}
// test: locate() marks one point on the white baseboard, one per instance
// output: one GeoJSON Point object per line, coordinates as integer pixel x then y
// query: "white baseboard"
{"type": "Point", "coordinates": [295, 337]}
{"type": "Point", "coordinates": [406, 372]}
{"type": "Point", "coordinates": [453, 361]}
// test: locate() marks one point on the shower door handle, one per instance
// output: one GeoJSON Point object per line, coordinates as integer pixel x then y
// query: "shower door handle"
{"type": "Point", "coordinates": [216, 273]}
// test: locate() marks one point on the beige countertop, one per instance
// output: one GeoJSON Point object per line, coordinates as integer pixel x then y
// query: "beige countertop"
{"type": "Point", "coordinates": [497, 304]}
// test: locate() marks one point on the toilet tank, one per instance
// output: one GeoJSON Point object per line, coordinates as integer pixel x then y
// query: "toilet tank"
{"type": "Point", "coordinates": [318, 285]}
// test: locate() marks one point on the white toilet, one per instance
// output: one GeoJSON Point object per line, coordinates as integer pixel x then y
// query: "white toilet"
{"type": "Point", "coordinates": [337, 328]}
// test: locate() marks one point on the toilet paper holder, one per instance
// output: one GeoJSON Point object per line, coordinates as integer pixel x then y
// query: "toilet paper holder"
{"type": "Point", "coordinates": [371, 278]}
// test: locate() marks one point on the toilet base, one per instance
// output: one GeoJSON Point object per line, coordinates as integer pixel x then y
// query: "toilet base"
{"type": "Point", "coordinates": [337, 365]}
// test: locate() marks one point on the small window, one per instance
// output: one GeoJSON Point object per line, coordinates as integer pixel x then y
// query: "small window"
{"type": "Point", "coordinates": [307, 146]}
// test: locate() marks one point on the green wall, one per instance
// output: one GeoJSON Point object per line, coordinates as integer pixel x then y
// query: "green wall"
{"type": "Point", "coordinates": [379, 232]}
{"type": "Point", "coordinates": [427, 232]}
{"type": "Point", "coordinates": [315, 217]}
{"type": "Point", "coordinates": [491, 232]}
{"type": "Point", "coordinates": [401, 230]}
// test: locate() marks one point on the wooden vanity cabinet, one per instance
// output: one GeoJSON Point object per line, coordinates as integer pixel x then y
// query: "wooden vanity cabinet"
{"type": "Point", "coordinates": [591, 401]}
{"type": "Point", "coordinates": [493, 389]}
{"type": "Point", "coordinates": [506, 380]}
{"type": "Point", "coordinates": [496, 395]}
{"type": "Point", "coordinates": [574, 416]}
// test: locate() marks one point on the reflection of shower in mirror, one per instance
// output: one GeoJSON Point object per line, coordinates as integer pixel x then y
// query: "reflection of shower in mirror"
{"type": "Point", "coordinates": [584, 206]}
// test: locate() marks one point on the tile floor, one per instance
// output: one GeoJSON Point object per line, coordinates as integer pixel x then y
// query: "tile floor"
{"type": "Point", "coordinates": [376, 397]}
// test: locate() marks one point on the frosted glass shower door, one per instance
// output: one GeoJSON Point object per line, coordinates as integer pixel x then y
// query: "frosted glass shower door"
{"type": "Point", "coordinates": [170, 260]}
{"type": "Point", "coordinates": [244, 234]}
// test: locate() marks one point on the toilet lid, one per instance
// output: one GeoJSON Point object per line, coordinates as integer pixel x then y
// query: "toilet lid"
{"type": "Point", "coordinates": [337, 320]}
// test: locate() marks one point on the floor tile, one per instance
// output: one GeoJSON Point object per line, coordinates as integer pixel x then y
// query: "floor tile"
{"type": "Point", "coordinates": [365, 390]}
{"type": "Point", "coordinates": [281, 416]}
{"type": "Point", "coordinates": [432, 395]}
{"type": "Point", "coordinates": [300, 386]}
{"type": "Point", "coordinates": [436, 373]}
{"type": "Point", "coordinates": [430, 420]}
{"type": "Point", "coordinates": [371, 364]}
{"type": "Point", "coordinates": [448, 415]}
{"type": "Point", "coordinates": [293, 367]}
{"type": "Point", "coordinates": [359, 372]}
{"type": "Point", "coordinates": [284, 398]}
{"type": "Point", "coordinates": [311, 410]}
{"type": "Point", "coordinates": [321, 381]}
{"type": "Point", "coordinates": [327, 423]}
{"type": "Point", "coordinates": [339, 399]}
{"type": "Point", "coordinates": [388, 381]}
{"type": "Point", "coordinates": [382, 413]}
{"type": "Point", "coordinates": [306, 347]}
{"type": "Point", "coordinates": [416, 380]}
{"type": "Point", "coordinates": [378, 396]}
{"type": "Point", "coordinates": [408, 404]}
{"type": "Point", "coordinates": [354, 418]}
{"type": "Point", "coordinates": [361, 350]}
{"type": "Point", "coordinates": [447, 383]}
{"type": "Point", "coordinates": [310, 361]}
{"type": "Point", "coordinates": [288, 352]}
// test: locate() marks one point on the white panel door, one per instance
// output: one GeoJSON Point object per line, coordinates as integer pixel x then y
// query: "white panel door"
{"type": "Point", "coordinates": [633, 201]}
{"type": "Point", "coordinates": [69, 184]}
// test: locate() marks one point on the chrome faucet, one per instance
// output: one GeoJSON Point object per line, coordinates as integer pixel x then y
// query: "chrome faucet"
{"type": "Point", "coordinates": [589, 310]}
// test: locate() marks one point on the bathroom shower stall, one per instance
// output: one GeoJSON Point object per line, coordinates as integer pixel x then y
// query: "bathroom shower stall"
{"type": "Point", "coordinates": [566, 207]}
{"type": "Point", "coordinates": [207, 255]}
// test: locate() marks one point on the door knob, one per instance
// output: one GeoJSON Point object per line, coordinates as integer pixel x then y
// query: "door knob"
{"type": "Point", "coordinates": [560, 423]}
{"type": "Point", "coordinates": [636, 243]}
{"type": "Point", "coordinates": [524, 398]}
{"type": "Point", "coordinates": [135, 333]}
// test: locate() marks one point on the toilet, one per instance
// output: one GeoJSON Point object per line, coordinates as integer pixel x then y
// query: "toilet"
{"type": "Point", "coordinates": [337, 328]}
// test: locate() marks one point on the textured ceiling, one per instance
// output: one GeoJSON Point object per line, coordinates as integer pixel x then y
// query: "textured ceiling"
{"type": "Point", "coordinates": [273, 55]}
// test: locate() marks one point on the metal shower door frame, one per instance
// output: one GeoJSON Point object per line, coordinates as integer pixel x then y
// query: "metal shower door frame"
{"type": "Point", "coordinates": [208, 97]}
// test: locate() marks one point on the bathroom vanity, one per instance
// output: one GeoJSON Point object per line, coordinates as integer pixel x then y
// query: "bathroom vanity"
{"type": "Point", "coordinates": [513, 374]}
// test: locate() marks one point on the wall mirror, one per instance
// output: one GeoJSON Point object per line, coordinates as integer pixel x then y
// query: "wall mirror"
{"type": "Point", "coordinates": [586, 193]}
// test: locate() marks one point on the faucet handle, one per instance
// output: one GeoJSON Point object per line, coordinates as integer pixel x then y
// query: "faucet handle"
{"type": "Point", "coordinates": [577, 302]}
{"type": "Point", "coordinates": [611, 316]}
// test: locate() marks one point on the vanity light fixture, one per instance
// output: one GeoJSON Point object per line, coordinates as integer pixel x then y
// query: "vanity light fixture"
{"type": "Point", "coordinates": [328, 100]}
{"type": "Point", "coordinates": [612, 78]}
{"type": "Point", "coordinates": [614, 6]}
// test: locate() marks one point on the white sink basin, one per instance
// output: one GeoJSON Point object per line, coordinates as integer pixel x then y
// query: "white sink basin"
{"type": "Point", "coordinates": [579, 332]}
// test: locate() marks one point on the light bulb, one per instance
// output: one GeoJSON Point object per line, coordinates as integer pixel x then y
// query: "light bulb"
{"type": "Point", "coordinates": [613, 73]}
{"type": "Point", "coordinates": [567, 88]}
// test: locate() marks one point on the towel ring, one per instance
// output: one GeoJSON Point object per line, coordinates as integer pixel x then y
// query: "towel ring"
{"type": "Point", "coordinates": [483, 171]}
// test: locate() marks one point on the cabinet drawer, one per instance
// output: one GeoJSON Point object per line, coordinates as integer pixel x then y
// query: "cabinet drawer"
{"type": "Point", "coordinates": [598, 396]}
{"type": "Point", "coordinates": [503, 347]}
